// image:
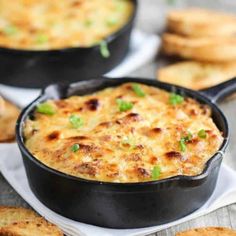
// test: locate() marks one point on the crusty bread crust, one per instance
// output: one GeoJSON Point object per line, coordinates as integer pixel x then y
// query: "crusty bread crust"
{"type": "Point", "coordinates": [196, 22]}
{"type": "Point", "coordinates": [210, 231]}
{"type": "Point", "coordinates": [202, 49]}
{"type": "Point", "coordinates": [197, 75]}
{"type": "Point", "coordinates": [2, 105]}
{"type": "Point", "coordinates": [8, 116]}
{"type": "Point", "coordinates": [31, 228]}
{"type": "Point", "coordinates": [17, 221]}
{"type": "Point", "coordinates": [10, 215]}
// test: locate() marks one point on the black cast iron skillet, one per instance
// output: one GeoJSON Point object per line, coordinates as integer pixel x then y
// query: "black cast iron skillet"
{"type": "Point", "coordinates": [124, 205]}
{"type": "Point", "coordinates": [36, 69]}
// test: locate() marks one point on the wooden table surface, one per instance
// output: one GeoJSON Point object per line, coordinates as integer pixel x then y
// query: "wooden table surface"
{"type": "Point", "coordinates": [151, 18]}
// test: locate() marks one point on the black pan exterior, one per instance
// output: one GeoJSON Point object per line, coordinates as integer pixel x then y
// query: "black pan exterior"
{"type": "Point", "coordinates": [120, 205]}
{"type": "Point", "coordinates": [37, 69]}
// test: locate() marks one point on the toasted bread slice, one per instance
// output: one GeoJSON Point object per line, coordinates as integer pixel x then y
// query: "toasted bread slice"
{"type": "Point", "coordinates": [17, 221]}
{"type": "Point", "coordinates": [2, 105]}
{"type": "Point", "coordinates": [10, 215]}
{"type": "Point", "coordinates": [221, 49]}
{"type": "Point", "coordinates": [196, 22]}
{"type": "Point", "coordinates": [31, 228]}
{"type": "Point", "coordinates": [197, 75]}
{"type": "Point", "coordinates": [8, 117]}
{"type": "Point", "coordinates": [210, 231]}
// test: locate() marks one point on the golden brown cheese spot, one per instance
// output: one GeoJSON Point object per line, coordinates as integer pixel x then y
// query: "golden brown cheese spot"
{"type": "Point", "coordinates": [86, 168]}
{"type": "Point", "coordinates": [53, 136]}
{"type": "Point", "coordinates": [92, 104]}
{"type": "Point", "coordinates": [129, 118]}
{"type": "Point", "coordinates": [47, 24]}
{"type": "Point", "coordinates": [78, 138]}
{"type": "Point", "coordinates": [143, 173]}
{"type": "Point", "coordinates": [117, 146]}
{"type": "Point", "coordinates": [173, 154]}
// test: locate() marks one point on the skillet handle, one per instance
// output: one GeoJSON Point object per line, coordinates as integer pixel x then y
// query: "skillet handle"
{"type": "Point", "coordinates": [219, 92]}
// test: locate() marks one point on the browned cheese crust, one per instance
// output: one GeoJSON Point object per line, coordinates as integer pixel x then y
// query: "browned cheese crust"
{"type": "Point", "coordinates": [139, 144]}
{"type": "Point", "coordinates": [47, 24]}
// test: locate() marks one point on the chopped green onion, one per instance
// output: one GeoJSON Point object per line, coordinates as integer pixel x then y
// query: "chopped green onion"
{"type": "Point", "coordinates": [104, 49]}
{"type": "Point", "coordinates": [120, 6]}
{"type": "Point", "coordinates": [124, 105]}
{"type": "Point", "coordinates": [182, 145]}
{"type": "Point", "coordinates": [188, 137]}
{"type": "Point", "coordinates": [75, 147]}
{"type": "Point", "coordinates": [45, 108]}
{"type": "Point", "coordinates": [202, 133]}
{"type": "Point", "coordinates": [76, 121]}
{"type": "Point", "coordinates": [156, 172]}
{"type": "Point", "coordinates": [41, 39]}
{"type": "Point", "coordinates": [111, 21]}
{"type": "Point", "coordinates": [88, 23]}
{"type": "Point", "coordinates": [183, 141]}
{"type": "Point", "coordinates": [10, 30]}
{"type": "Point", "coordinates": [175, 99]}
{"type": "Point", "coordinates": [138, 90]}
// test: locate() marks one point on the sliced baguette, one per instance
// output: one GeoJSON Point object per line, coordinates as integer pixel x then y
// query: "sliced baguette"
{"type": "Point", "coordinates": [31, 228]}
{"type": "Point", "coordinates": [210, 231]}
{"type": "Point", "coordinates": [8, 117]}
{"type": "Point", "coordinates": [17, 221]}
{"type": "Point", "coordinates": [197, 75]}
{"type": "Point", "coordinates": [2, 105]}
{"type": "Point", "coordinates": [10, 215]}
{"type": "Point", "coordinates": [196, 22]}
{"type": "Point", "coordinates": [202, 49]}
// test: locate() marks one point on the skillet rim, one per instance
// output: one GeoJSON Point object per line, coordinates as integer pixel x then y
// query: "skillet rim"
{"type": "Point", "coordinates": [178, 178]}
{"type": "Point", "coordinates": [107, 39]}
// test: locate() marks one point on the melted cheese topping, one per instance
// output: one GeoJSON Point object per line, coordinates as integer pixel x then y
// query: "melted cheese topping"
{"type": "Point", "coordinates": [124, 146]}
{"type": "Point", "coordinates": [45, 24]}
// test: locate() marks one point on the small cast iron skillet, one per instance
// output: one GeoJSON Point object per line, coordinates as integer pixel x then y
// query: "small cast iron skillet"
{"type": "Point", "coordinates": [124, 205]}
{"type": "Point", "coordinates": [36, 69]}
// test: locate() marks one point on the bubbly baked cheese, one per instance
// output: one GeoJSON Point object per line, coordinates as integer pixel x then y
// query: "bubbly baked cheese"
{"type": "Point", "coordinates": [49, 24]}
{"type": "Point", "coordinates": [129, 133]}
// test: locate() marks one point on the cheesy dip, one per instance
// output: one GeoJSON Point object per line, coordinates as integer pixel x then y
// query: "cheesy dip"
{"type": "Point", "coordinates": [49, 24]}
{"type": "Point", "coordinates": [129, 133]}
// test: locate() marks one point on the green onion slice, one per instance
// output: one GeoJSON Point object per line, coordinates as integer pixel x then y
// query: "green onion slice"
{"type": "Point", "coordinates": [111, 21]}
{"type": "Point", "coordinates": [75, 147]}
{"type": "Point", "coordinates": [156, 172]}
{"type": "Point", "coordinates": [183, 141]}
{"type": "Point", "coordinates": [175, 99]}
{"type": "Point", "coordinates": [202, 133]}
{"type": "Point", "coordinates": [104, 50]}
{"type": "Point", "coordinates": [10, 30]}
{"type": "Point", "coordinates": [45, 108]}
{"type": "Point", "coordinates": [88, 23]}
{"type": "Point", "coordinates": [182, 145]}
{"type": "Point", "coordinates": [41, 39]}
{"type": "Point", "coordinates": [124, 105]}
{"type": "Point", "coordinates": [76, 121]}
{"type": "Point", "coordinates": [138, 90]}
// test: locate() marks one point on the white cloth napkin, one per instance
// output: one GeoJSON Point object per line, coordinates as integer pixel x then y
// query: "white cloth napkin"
{"type": "Point", "coordinates": [11, 166]}
{"type": "Point", "coordinates": [143, 49]}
